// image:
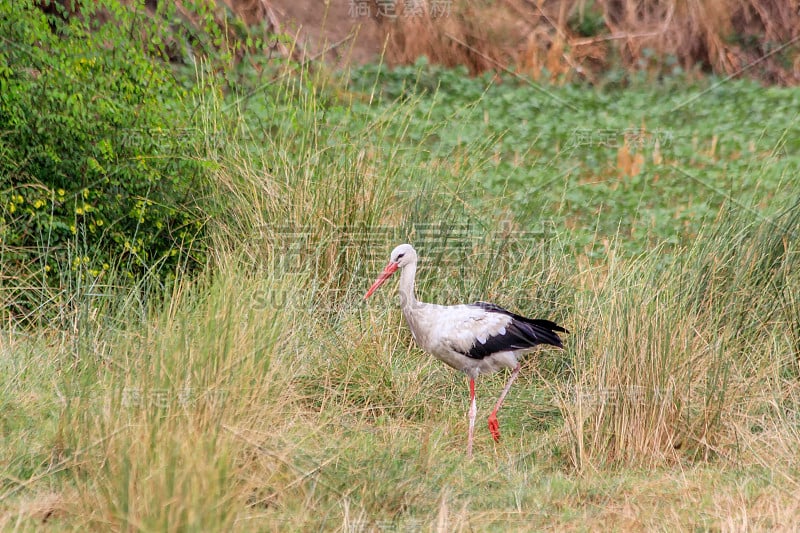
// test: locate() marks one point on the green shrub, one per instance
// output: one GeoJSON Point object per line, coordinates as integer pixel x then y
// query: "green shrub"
{"type": "Point", "coordinates": [99, 163]}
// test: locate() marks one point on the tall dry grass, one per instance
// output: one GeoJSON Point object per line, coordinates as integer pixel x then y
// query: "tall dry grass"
{"type": "Point", "coordinates": [582, 39]}
{"type": "Point", "coordinates": [680, 361]}
{"type": "Point", "coordinates": [226, 409]}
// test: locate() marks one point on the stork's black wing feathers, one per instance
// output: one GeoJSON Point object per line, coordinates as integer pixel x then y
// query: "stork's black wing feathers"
{"type": "Point", "coordinates": [521, 333]}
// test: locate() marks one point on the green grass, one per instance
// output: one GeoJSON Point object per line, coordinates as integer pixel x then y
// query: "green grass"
{"type": "Point", "coordinates": [265, 394]}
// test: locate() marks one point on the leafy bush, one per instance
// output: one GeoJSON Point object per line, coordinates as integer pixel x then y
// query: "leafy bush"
{"type": "Point", "coordinates": [98, 157]}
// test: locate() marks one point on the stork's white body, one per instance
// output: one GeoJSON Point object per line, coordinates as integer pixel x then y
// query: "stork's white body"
{"type": "Point", "coordinates": [476, 339]}
{"type": "Point", "coordinates": [450, 331]}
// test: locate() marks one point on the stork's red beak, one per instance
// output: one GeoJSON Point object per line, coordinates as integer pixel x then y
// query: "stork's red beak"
{"type": "Point", "coordinates": [387, 272]}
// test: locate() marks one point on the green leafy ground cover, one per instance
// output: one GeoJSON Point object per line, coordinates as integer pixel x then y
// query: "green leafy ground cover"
{"type": "Point", "coordinates": [648, 165]}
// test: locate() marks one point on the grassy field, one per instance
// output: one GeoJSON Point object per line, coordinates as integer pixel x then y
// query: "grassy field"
{"type": "Point", "coordinates": [658, 223]}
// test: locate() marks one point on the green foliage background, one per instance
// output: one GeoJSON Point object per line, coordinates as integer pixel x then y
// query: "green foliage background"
{"type": "Point", "coordinates": [99, 159]}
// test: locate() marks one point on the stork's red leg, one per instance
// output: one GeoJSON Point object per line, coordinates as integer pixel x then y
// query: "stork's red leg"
{"type": "Point", "coordinates": [494, 425]}
{"type": "Point", "coordinates": [473, 411]}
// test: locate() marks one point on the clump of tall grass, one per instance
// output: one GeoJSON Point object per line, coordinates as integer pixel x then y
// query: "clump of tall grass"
{"type": "Point", "coordinates": [325, 200]}
{"type": "Point", "coordinates": [158, 442]}
{"type": "Point", "coordinates": [673, 361]}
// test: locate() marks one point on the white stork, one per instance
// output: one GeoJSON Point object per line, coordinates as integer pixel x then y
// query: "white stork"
{"type": "Point", "coordinates": [477, 338]}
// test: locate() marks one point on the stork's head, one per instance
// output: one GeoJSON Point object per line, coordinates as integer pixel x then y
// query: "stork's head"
{"type": "Point", "coordinates": [401, 256]}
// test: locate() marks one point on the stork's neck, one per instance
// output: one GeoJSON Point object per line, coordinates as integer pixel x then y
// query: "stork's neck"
{"type": "Point", "coordinates": [407, 297]}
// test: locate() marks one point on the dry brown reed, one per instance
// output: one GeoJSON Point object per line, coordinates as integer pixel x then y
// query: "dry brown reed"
{"type": "Point", "coordinates": [581, 39]}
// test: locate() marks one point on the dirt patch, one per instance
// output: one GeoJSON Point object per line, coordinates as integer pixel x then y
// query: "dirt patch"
{"type": "Point", "coordinates": [344, 31]}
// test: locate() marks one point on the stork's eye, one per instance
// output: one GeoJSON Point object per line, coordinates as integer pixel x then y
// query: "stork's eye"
{"type": "Point", "coordinates": [400, 255]}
